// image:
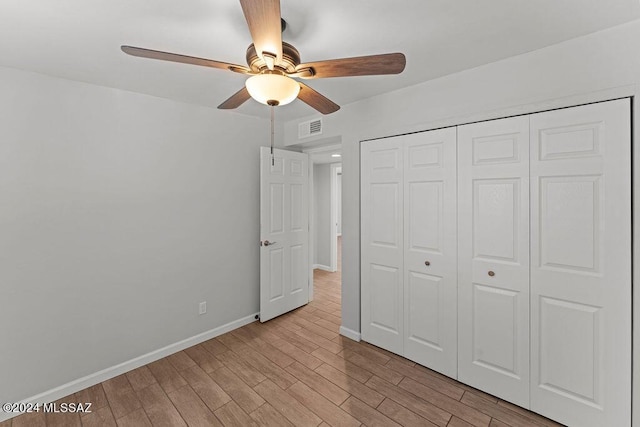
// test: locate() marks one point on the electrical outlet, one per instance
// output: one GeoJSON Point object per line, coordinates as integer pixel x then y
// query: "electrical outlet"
{"type": "Point", "coordinates": [203, 307]}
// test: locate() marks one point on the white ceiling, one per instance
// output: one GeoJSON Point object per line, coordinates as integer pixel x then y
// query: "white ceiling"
{"type": "Point", "coordinates": [80, 40]}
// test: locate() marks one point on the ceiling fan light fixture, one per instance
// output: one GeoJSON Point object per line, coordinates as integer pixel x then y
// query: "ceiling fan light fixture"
{"type": "Point", "coordinates": [272, 89]}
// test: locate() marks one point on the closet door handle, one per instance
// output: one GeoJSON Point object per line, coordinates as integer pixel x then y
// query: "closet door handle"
{"type": "Point", "coordinates": [427, 263]}
{"type": "Point", "coordinates": [491, 273]}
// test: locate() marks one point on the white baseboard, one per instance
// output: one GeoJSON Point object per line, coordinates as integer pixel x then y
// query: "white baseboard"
{"type": "Point", "coordinates": [108, 373]}
{"type": "Point", "coordinates": [349, 333]}
{"type": "Point", "coordinates": [323, 267]}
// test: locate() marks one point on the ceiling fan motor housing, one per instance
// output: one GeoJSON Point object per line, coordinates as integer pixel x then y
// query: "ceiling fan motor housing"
{"type": "Point", "coordinates": [290, 59]}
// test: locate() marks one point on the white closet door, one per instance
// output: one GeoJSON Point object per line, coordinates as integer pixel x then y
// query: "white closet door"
{"type": "Point", "coordinates": [430, 288]}
{"type": "Point", "coordinates": [581, 264]}
{"type": "Point", "coordinates": [493, 257]}
{"type": "Point", "coordinates": [382, 244]}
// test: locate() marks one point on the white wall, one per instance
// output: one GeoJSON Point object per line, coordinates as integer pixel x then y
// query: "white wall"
{"type": "Point", "coordinates": [599, 66]}
{"type": "Point", "coordinates": [322, 215]}
{"type": "Point", "coordinates": [119, 213]}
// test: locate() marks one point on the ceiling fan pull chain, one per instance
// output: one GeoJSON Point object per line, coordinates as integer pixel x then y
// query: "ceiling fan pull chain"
{"type": "Point", "coordinates": [273, 162]}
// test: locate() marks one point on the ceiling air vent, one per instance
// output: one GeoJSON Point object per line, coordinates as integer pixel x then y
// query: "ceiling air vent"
{"type": "Point", "coordinates": [310, 128]}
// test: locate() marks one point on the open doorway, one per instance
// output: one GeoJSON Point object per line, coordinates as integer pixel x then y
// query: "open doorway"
{"type": "Point", "coordinates": [336, 215]}
{"type": "Point", "coordinates": [326, 221]}
{"type": "Point", "coordinates": [327, 235]}
{"type": "Point", "coordinates": [326, 224]}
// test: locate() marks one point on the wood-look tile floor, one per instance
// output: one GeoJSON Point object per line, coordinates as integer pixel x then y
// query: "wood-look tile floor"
{"type": "Point", "coordinates": [295, 370]}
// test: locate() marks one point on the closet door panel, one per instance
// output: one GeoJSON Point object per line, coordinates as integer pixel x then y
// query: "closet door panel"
{"type": "Point", "coordinates": [382, 244]}
{"type": "Point", "coordinates": [493, 257]}
{"type": "Point", "coordinates": [581, 264]}
{"type": "Point", "coordinates": [430, 300]}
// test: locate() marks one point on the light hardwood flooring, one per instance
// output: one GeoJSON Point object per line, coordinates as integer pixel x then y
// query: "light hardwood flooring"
{"type": "Point", "coordinates": [295, 370]}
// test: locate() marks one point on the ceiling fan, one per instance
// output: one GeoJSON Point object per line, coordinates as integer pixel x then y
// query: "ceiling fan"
{"type": "Point", "coordinates": [273, 64]}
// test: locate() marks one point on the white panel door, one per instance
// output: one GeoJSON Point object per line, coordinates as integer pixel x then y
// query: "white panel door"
{"type": "Point", "coordinates": [382, 244]}
{"type": "Point", "coordinates": [430, 287]}
{"type": "Point", "coordinates": [284, 231]}
{"type": "Point", "coordinates": [493, 257]}
{"type": "Point", "coordinates": [581, 264]}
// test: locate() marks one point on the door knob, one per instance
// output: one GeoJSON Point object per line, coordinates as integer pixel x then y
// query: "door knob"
{"type": "Point", "coordinates": [427, 263]}
{"type": "Point", "coordinates": [268, 243]}
{"type": "Point", "coordinates": [491, 273]}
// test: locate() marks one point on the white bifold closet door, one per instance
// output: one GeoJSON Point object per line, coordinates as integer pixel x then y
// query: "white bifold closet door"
{"type": "Point", "coordinates": [543, 263]}
{"type": "Point", "coordinates": [493, 257]}
{"type": "Point", "coordinates": [409, 247]}
{"type": "Point", "coordinates": [581, 264]}
{"type": "Point", "coordinates": [430, 272]}
{"type": "Point", "coordinates": [382, 244]}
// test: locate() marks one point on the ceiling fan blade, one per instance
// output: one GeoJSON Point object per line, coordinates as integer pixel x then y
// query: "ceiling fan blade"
{"type": "Point", "coordinates": [388, 63]}
{"type": "Point", "coordinates": [263, 19]}
{"type": "Point", "coordinates": [316, 100]}
{"type": "Point", "coordinates": [236, 100]}
{"type": "Point", "coordinates": [174, 57]}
